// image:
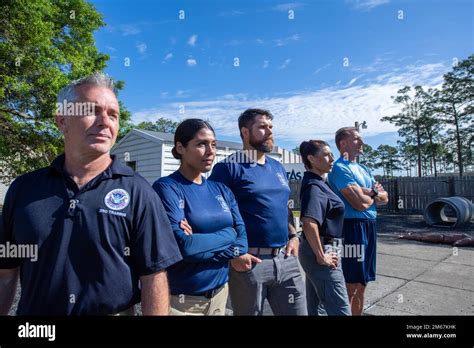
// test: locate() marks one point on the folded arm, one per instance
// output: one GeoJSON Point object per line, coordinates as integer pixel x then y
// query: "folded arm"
{"type": "Point", "coordinates": [8, 283]}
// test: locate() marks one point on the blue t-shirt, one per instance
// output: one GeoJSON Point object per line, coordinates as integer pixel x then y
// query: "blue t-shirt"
{"type": "Point", "coordinates": [218, 232]}
{"type": "Point", "coordinates": [262, 192]}
{"type": "Point", "coordinates": [93, 243]}
{"type": "Point", "coordinates": [345, 173]}
{"type": "Point", "coordinates": [319, 202]}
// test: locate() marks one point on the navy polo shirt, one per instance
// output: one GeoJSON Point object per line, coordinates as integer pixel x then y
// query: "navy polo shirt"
{"type": "Point", "coordinates": [93, 243]}
{"type": "Point", "coordinates": [218, 232]}
{"type": "Point", "coordinates": [320, 203]}
{"type": "Point", "coordinates": [262, 193]}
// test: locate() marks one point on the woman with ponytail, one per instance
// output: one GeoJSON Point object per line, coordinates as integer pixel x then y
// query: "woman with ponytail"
{"type": "Point", "coordinates": [322, 215]}
{"type": "Point", "coordinates": [206, 223]}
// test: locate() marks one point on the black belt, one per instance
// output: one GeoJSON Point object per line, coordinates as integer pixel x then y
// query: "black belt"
{"type": "Point", "coordinates": [265, 251]}
{"type": "Point", "coordinates": [211, 293]}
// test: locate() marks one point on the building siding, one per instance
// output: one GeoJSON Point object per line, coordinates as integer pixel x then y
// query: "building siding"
{"type": "Point", "coordinates": [146, 153]}
{"type": "Point", "coordinates": [152, 153]}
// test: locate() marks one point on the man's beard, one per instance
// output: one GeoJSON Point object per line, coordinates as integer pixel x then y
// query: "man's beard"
{"type": "Point", "coordinates": [264, 146]}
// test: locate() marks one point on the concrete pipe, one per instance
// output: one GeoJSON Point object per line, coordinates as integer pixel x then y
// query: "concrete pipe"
{"type": "Point", "coordinates": [449, 212]}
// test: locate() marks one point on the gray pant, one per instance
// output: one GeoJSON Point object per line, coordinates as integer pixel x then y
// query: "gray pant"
{"type": "Point", "coordinates": [326, 291]}
{"type": "Point", "coordinates": [278, 279]}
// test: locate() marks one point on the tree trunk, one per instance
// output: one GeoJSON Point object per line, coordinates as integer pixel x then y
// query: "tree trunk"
{"type": "Point", "coordinates": [418, 140]}
{"type": "Point", "coordinates": [458, 141]}
{"type": "Point", "coordinates": [433, 155]}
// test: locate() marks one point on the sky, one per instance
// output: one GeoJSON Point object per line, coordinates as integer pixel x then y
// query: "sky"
{"type": "Point", "coordinates": [317, 65]}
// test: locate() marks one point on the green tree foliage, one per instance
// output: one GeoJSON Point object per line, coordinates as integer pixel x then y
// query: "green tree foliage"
{"type": "Point", "coordinates": [161, 125]}
{"type": "Point", "coordinates": [410, 120]}
{"type": "Point", "coordinates": [387, 159]}
{"type": "Point", "coordinates": [455, 104]}
{"type": "Point", "coordinates": [437, 125]}
{"type": "Point", "coordinates": [296, 150]}
{"type": "Point", "coordinates": [43, 46]}
{"type": "Point", "coordinates": [369, 158]}
{"type": "Point", "coordinates": [408, 156]}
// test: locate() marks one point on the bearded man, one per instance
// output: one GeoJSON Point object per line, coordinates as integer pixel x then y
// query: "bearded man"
{"type": "Point", "coordinates": [270, 269]}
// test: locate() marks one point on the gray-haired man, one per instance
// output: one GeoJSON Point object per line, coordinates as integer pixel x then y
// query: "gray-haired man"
{"type": "Point", "coordinates": [100, 229]}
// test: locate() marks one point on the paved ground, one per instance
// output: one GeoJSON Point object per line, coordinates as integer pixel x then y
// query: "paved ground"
{"type": "Point", "coordinates": [415, 278]}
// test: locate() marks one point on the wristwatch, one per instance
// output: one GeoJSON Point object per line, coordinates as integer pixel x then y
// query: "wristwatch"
{"type": "Point", "coordinates": [294, 235]}
{"type": "Point", "coordinates": [374, 192]}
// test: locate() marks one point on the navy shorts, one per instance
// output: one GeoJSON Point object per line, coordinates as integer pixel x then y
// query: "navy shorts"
{"type": "Point", "coordinates": [360, 250]}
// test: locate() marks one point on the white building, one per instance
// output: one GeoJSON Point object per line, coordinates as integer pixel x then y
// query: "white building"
{"type": "Point", "coordinates": [149, 153]}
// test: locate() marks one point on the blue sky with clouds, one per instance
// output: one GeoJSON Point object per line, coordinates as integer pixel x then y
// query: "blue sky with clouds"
{"type": "Point", "coordinates": [333, 63]}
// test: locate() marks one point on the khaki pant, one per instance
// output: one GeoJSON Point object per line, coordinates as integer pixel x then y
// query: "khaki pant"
{"type": "Point", "coordinates": [199, 305]}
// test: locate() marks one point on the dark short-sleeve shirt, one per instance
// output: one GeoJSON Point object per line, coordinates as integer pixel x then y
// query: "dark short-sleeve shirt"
{"type": "Point", "coordinates": [93, 243]}
{"type": "Point", "coordinates": [320, 203]}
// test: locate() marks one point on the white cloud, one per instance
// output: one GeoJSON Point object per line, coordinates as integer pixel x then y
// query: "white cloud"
{"type": "Point", "coordinates": [266, 63]}
{"type": "Point", "coordinates": [318, 70]}
{"type": "Point", "coordinates": [352, 81]}
{"type": "Point", "coordinates": [191, 61]}
{"type": "Point", "coordinates": [366, 5]}
{"type": "Point", "coordinates": [168, 56]}
{"type": "Point", "coordinates": [287, 40]}
{"type": "Point", "coordinates": [288, 6]}
{"type": "Point", "coordinates": [192, 40]}
{"type": "Point", "coordinates": [285, 64]}
{"type": "Point", "coordinates": [259, 41]}
{"type": "Point", "coordinates": [128, 29]}
{"type": "Point", "coordinates": [183, 93]}
{"type": "Point", "coordinates": [141, 47]}
{"type": "Point", "coordinates": [380, 63]}
{"type": "Point", "coordinates": [413, 74]}
{"type": "Point", "coordinates": [232, 13]}
{"type": "Point", "coordinates": [234, 42]}
{"type": "Point", "coordinates": [309, 114]}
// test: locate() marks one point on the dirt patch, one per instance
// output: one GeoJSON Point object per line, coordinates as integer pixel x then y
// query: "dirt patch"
{"type": "Point", "coordinates": [388, 223]}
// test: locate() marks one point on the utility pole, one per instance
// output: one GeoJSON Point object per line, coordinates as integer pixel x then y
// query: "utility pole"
{"type": "Point", "coordinates": [358, 125]}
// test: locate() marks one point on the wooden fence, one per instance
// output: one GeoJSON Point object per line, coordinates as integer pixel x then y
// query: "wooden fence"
{"type": "Point", "coordinates": [412, 194]}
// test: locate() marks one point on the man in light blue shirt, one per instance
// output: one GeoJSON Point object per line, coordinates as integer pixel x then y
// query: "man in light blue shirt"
{"type": "Point", "coordinates": [359, 191]}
